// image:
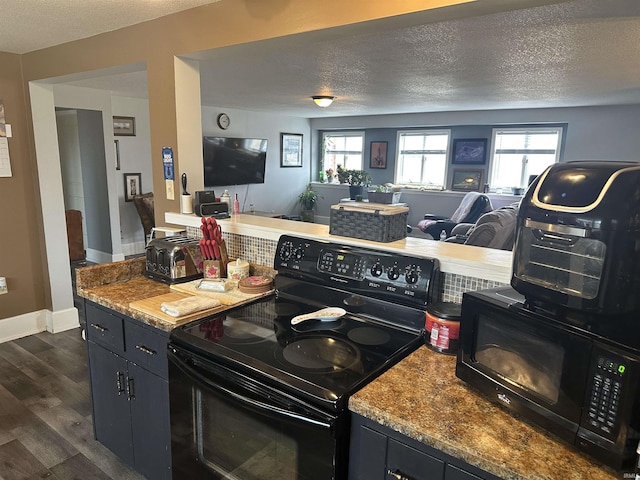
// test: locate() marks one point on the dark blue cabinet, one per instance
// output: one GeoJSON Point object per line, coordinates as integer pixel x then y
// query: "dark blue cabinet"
{"type": "Point", "coordinates": [111, 424]}
{"type": "Point", "coordinates": [129, 390]}
{"type": "Point", "coordinates": [380, 453]}
{"type": "Point", "coordinates": [368, 451]}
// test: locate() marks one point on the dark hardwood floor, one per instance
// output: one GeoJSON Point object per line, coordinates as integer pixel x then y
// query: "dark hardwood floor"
{"type": "Point", "coordinates": [45, 412]}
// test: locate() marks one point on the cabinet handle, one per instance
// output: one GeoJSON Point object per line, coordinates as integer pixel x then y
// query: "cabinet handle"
{"type": "Point", "coordinates": [130, 393]}
{"type": "Point", "coordinates": [99, 327]}
{"type": "Point", "coordinates": [119, 376]}
{"type": "Point", "coordinates": [146, 350]}
{"type": "Point", "coordinates": [397, 474]}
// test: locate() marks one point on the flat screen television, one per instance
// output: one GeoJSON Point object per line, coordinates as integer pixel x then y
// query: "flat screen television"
{"type": "Point", "coordinates": [233, 161]}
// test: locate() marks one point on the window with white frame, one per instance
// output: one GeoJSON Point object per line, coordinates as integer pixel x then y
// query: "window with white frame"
{"type": "Point", "coordinates": [342, 148]}
{"type": "Point", "coordinates": [518, 153]}
{"type": "Point", "coordinates": [422, 157]}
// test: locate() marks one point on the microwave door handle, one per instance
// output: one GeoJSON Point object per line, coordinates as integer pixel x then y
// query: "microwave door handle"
{"type": "Point", "coordinates": [198, 377]}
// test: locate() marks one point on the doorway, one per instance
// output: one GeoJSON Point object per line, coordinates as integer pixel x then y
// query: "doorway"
{"type": "Point", "coordinates": [83, 169]}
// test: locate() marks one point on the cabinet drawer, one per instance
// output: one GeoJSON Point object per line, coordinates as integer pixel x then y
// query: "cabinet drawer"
{"type": "Point", "coordinates": [406, 461]}
{"type": "Point", "coordinates": [147, 349]}
{"type": "Point", "coordinates": [455, 473]}
{"type": "Point", "coordinates": [105, 328]}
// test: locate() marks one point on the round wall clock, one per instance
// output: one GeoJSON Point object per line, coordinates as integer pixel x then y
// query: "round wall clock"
{"type": "Point", "coordinates": [223, 121]}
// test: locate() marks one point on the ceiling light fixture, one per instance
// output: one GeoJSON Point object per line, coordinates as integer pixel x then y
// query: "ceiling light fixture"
{"type": "Point", "coordinates": [323, 100]}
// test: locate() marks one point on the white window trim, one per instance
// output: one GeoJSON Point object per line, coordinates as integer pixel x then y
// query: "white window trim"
{"type": "Point", "coordinates": [490, 178]}
{"type": "Point", "coordinates": [345, 133]}
{"type": "Point", "coordinates": [427, 131]}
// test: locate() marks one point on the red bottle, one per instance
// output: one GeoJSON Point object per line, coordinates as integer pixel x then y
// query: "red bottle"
{"type": "Point", "coordinates": [236, 205]}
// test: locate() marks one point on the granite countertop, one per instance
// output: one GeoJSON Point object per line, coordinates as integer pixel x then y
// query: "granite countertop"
{"type": "Point", "coordinates": [423, 399]}
{"type": "Point", "coordinates": [115, 285]}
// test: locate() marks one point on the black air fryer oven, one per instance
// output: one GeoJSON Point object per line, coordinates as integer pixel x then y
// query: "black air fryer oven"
{"type": "Point", "coordinates": [255, 397]}
{"type": "Point", "coordinates": [578, 238]}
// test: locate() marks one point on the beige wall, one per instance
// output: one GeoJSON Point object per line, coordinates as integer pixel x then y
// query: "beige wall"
{"type": "Point", "coordinates": [21, 248]}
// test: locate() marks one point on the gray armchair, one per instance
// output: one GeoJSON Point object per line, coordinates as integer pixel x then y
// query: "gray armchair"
{"type": "Point", "coordinates": [496, 229]}
{"type": "Point", "coordinates": [471, 207]}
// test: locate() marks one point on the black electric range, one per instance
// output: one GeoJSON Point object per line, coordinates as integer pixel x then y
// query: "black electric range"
{"type": "Point", "coordinates": [251, 360]}
{"type": "Point", "coordinates": [324, 360]}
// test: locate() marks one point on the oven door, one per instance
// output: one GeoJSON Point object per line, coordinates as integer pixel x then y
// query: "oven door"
{"type": "Point", "coordinates": [227, 425]}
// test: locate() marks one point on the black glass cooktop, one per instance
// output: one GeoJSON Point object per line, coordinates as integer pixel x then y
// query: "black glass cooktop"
{"type": "Point", "coordinates": [324, 360]}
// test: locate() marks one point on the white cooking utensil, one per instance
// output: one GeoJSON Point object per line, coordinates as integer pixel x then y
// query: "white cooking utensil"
{"type": "Point", "coordinates": [325, 314]}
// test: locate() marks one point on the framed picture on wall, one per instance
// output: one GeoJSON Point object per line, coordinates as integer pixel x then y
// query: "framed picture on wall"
{"type": "Point", "coordinates": [132, 186]}
{"type": "Point", "coordinates": [469, 151]}
{"type": "Point", "coordinates": [378, 155]}
{"type": "Point", "coordinates": [290, 149]}
{"type": "Point", "coordinates": [466, 180]}
{"type": "Point", "coordinates": [124, 126]}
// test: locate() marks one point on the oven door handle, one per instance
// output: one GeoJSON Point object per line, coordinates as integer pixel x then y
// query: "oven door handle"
{"type": "Point", "coordinates": [256, 404]}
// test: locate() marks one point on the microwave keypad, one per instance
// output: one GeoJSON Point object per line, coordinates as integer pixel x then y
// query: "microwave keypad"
{"type": "Point", "coordinates": [605, 395]}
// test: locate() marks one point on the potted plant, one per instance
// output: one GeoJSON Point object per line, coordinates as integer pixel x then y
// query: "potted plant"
{"type": "Point", "coordinates": [383, 194]}
{"type": "Point", "coordinates": [308, 200]}
{"type": "Point", "coordinates": [342, 174]}
{"type": "Point", "coordinates": [357, 179]}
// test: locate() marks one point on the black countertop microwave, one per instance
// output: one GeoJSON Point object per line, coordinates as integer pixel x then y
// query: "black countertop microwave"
{"type": "Point", "coordinates": [578, 378]}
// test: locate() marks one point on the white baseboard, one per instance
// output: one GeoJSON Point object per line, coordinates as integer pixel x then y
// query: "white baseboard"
{"type": "Point", "coordinates": [23, 325]}
{"type": "Point", "coordinates": [35, 322]}
{"type": "Point", "coordinates": [134, 248]}
{"type": "Point", "coordinates": [62, 320]}
{"type": "Point", "coordinates": [96, 256]}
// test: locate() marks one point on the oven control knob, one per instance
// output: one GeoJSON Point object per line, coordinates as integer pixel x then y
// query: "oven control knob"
{"type": "Point", "coordinates": [298, 254]}
{"type": "Point", "coordinates": [393, 273]}
{"type": "Point", "coordinates": [285, 251]}
{"type": "Point", "coordinates": [376, 269]}
{"type": "Point", "coordinates": [412, 276]}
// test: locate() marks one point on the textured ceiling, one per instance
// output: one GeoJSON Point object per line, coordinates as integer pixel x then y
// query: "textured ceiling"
{"type": "Point", "coordinates": [28, 25]}
{"type": "Point", "coordinates": [574, 53]}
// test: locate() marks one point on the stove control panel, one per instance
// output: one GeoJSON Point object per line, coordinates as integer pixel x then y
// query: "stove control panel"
{"type": "Point", "coordinates": [338, 262]}
{"type": "Point", "coordinates": [367, 271]}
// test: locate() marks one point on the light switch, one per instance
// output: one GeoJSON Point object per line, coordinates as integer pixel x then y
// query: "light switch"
{"type": "Point", "coordinates": [3, 285]}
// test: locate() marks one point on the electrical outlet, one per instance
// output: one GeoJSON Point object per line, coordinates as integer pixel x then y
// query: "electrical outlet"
{"type": "Point", "coordinates": [3, 285]}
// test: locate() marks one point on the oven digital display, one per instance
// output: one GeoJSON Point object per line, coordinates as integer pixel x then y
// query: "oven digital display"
{"type": "Point", "coordinates": [342, 264]}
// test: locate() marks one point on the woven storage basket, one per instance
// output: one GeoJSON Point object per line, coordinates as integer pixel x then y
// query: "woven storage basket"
{"type": "Point", "coordinates": [369, 221]}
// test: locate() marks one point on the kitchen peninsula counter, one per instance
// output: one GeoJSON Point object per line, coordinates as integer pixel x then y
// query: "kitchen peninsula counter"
{"type": "Point", "coordinates": [420, 397]}
{"type": "Point", "coordinates": [470, 261]}
{"type": "Point", "coordinates": [423, 399]}
{"type": "Point", "coordinates": [116, 285]}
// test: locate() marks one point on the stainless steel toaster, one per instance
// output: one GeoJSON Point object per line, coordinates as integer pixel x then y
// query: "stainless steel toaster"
{"type": "Point", "coordinates": [173, 259]}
